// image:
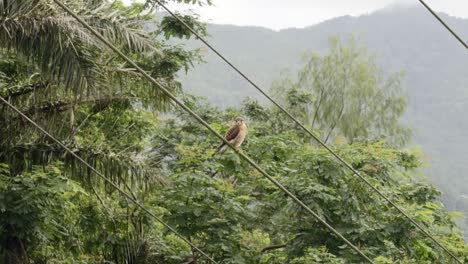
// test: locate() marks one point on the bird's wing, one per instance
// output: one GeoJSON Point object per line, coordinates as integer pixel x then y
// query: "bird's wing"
{"type": "Point", "coordinates": [232, 133]}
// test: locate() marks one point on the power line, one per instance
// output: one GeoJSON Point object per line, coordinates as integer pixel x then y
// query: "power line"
{"type": "Point", "coordinates": [357, 173]}
{"type": "Point", "coordinates": [443, 23]}
{"type": "Point", "coordinates": [204, 123]}
{"type": "Point", "coordinates": [105, 178]}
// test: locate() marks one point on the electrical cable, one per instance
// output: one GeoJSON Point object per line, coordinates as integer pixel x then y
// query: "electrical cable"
{"type": "Point", "coordinates": [357, 173]}
{"type": "Point", "coordinates": [204, 123]}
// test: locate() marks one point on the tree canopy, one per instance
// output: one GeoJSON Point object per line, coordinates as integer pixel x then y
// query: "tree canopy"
{"type": "Point", "coordinates": [344, 93]}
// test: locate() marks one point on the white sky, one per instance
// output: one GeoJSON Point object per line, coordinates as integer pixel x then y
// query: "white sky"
{"type": "Point", "coordinates": [279, 14]}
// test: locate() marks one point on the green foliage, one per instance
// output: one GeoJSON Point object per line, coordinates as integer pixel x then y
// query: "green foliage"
{"type": "Point", "coordinates": [54, 212]}
{"type": "Point", "coordinates": [238, 216]}
{"type": "Point", "coordinates": [435, 89]}
{"type": "Point", "coordinates": [317, 179]}
{"type": "Point", "coordinates": [344, 93]}
{"type": "Point", "coordinates": [100, 113]}
{"type": "Point", "coordinates": [254, 110]}
{"type": "Point", "coordinates": [317, 256]}
{"type": "Point", "coordinates": [206, 212]}
{"type": "Point", "coordinates": [71, 84]}
{"type": "Point", "coordinates": [36, 208]}
{"type": "Point", "coordinates": [173, 28]}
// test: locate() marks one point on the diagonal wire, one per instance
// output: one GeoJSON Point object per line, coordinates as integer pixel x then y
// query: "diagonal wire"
{"type": "Point", "coordinates": [129, 197]}
{"type": "Point", "coordinates": [443, 23]}
{"type": "Point", "coordinates": [204, 123]}
{"type": "Point", "coordinates": [338, 157]}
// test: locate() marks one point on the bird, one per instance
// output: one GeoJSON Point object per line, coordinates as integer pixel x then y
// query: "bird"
{"type": "Point", "coordinates": [235, 136]}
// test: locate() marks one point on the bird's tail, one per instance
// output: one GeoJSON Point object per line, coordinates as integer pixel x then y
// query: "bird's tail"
{"type": "Point", "coordinates": [220, 149]}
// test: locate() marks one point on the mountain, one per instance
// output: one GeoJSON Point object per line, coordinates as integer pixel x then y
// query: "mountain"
{"type": "Point", "coordinates": [402, 38]}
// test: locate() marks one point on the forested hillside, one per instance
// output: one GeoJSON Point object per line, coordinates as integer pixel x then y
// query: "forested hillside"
{"type": "Point", "coordinates": [404, 39]}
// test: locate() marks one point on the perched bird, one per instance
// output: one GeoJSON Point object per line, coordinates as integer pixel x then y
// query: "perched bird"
{"type": "Point", "coordinates": [235, 135]}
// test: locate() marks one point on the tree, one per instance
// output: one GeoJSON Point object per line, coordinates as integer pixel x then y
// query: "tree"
{"type": "Point", "coordinates": [37, 207]}
{"type": "Point", "coordinates": [239, 204]}
{"type": "Point", "coordinates": [57, 72]}
{"type": "Point", "coordinates": [344, 93]}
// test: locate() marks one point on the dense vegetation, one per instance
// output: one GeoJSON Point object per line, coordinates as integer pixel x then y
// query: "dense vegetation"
{"type": "Point", "coordinates": [404, 39]}
{"type": "Point", "coordinates": [55, 210]}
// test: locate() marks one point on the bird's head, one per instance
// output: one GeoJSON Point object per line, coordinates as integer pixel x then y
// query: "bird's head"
{"type": "Point", "coordinates": [240, 121]}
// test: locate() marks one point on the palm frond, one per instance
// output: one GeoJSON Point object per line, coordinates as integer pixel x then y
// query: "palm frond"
{"type": "Point", "coordinates": [49, 41]}
{"type": "Point", "coordinates": [62, 105]}
{"type": "Point", "coordinates": [139, 169]}
{"type": "Point", "coordinates": [65, 51]}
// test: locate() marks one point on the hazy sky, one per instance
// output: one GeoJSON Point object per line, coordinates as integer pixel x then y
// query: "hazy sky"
{"type": "Point", "coordinates": [278, 14]}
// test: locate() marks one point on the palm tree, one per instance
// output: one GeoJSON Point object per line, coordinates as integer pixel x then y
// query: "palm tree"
{"type": "Point", "coordinates": [57, 72]}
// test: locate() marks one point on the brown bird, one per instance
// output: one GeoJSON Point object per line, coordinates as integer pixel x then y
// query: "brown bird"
{"type": "Point", "coordinates": [235, 135]}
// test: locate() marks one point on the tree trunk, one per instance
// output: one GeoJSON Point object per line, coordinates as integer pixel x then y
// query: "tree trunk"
{"type": "Point", "coordinates": [15, 252]}
{"type": "Point", "coordinates": [72, 122]}
{"type": "Point", "coordinates": [194, 256]}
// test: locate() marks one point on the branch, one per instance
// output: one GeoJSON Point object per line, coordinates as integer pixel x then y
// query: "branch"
{"type": "Point", "coordinates": [336, 122]}
{"type": "Point", "coordinates": [317, 108]}
{"type": "Point", "coordinates": [343, 89]}
{"type": "Point", "coordinates": [64, 105]}
{"type": "Point", "coordinates": [273, 247]}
